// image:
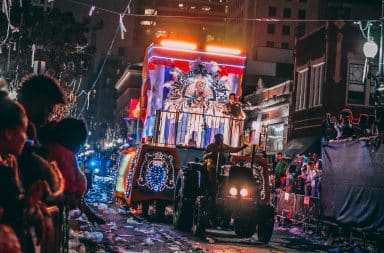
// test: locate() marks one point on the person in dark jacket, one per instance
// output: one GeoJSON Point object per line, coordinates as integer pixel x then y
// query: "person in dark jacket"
{"type": "Point", "coordinates": [42, 181]}
{"type": "Point", "coordinates": [13, 126]}
{"type": "Point", "coordinates": [63, 140]}
{"type": "Point", "coordinates": [39, 94]}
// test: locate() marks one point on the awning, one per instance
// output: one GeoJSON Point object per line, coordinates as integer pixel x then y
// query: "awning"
{"type": "Point", "coordinates": [303, 145]}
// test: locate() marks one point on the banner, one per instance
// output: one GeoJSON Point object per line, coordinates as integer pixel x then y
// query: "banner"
{"type": "Point", "coordinates": [352, 187]}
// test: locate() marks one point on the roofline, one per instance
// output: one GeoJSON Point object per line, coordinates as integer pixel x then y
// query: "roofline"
{"type": "Point", "coordinates": [311, 32]}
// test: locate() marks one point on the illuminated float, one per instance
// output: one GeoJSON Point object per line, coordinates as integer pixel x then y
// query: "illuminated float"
{"type": "Point", "coordinates": [184, 103]}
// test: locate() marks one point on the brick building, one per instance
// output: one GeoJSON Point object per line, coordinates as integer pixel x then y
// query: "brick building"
{"type": "Point", "coordinates": [328, 78]}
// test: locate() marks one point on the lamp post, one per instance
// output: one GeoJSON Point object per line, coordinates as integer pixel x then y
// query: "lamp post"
{"type": "Point", "coordinates": [381, 56]}
{"type": "Point", "coordinates": [370, 50]}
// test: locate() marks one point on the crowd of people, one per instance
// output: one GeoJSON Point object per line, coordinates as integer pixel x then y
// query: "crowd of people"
{"type": "Point", "coordinates": [346, 126]}
{"type": "Point", "coordinates": [300, 175]}
{"type": "Point", "coordinates": [38, 166]}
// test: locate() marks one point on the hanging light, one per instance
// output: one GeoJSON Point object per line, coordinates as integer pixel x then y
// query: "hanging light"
{"type": "Point", "coordinates": [370, 49]}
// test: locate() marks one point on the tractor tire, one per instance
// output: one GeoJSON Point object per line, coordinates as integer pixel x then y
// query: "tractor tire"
{"type": "Point", "coordinates": [182, 210]}
{"type": "Point", "coordinates": [225, 220]}
{"type": "Point", "coordinates": [265, 230]}
{"type": "Point", "coordinates": [199, 220]}
{"type": "Point", "coordinates": [160, 209]}
{"type": "Point", "coordinates": [145, 209]}
{"type": "Point", "coordinates": [244, 228]}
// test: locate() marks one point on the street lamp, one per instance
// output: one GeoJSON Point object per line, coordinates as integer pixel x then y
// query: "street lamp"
{"type": "Point", "coordinates": [370, 49]}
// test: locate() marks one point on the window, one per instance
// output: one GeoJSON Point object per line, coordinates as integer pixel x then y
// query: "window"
{"type": "Point", "coordinates": [316, 84]}
{"type": "Point", "coordinates": [150, 12]}
{"type": "Point", "coordinates": [286, 29]}
{"type": "Point", "coordinates": [302, 14]}
{"type": "Point", "coordinates": [275, 139]}
{"type": "Point", "coordinates": [147, 22]}
{"type": "Point", "coordinates": [301, 89]}
{"type": "Point", "coordinates": [270, 44]}
{"type": "Point", "coordinates": [285, 45]}
{"type": "Point", "coordinates": [272, 12]}
{"type": "Point", "coordinates": [301, 29]}
{"type": "Point", "coordinates": [356, 90]}
{"type": "Point", "coordinates": [287, 13]}
{"type": "Point", "coordinates": [271, 28]}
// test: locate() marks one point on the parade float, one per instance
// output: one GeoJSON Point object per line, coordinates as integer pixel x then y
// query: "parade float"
{"type": "Point", "coordinates": [184, 102]}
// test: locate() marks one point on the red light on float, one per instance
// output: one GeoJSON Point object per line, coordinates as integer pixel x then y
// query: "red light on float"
{"type": "Point", "coordinates": [178, 44]}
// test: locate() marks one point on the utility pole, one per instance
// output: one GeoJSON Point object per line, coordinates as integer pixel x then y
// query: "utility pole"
{"type": "Point", "coordinates": [381, 64]}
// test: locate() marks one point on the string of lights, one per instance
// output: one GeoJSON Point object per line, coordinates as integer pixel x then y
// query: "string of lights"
{"type": "Point", "coordinates": [228, 19]}
{"type": "Point", "coordinates": [118, 28]}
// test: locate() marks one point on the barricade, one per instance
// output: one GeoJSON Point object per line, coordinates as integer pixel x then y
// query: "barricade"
{"type": "Point", "coordinates": [58, 220]}
{"type": "Point", "coordinates": [298, 208]}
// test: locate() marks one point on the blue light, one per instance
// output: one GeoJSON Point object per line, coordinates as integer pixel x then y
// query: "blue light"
{"type": "Point", "coordinates": [156, 177]}
{"type": "Point", "coordinates": [93, 163]}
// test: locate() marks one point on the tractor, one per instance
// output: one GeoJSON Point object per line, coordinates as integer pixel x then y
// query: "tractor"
{"type": "Point", "coordinates": [237, 193]}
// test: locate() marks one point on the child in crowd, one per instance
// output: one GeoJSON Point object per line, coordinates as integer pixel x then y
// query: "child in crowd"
{"type": "Point", "coordinates": [63, 140]}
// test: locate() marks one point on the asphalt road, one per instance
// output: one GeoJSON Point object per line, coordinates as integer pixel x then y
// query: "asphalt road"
{"type": "Point", "coordinates": [127, 233]}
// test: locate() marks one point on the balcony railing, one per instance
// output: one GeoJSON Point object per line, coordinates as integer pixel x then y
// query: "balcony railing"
{"type": "Point", "coordinates": [195, 129]}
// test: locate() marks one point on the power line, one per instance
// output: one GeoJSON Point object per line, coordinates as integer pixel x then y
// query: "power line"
{"type": "Point", "coordinates": [127, 9]}
{"type": "Point", "coordinates": [228, 19]}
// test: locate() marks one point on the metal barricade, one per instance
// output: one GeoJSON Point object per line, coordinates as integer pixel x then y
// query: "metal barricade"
{"type": "Point", "coordinates": [298, 208]}
{"type": "Point", "coordinates": [59, 242]}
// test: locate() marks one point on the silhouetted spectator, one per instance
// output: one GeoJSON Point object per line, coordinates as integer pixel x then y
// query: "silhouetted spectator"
{"type": "Point", "coordinates": [13, 126]}
{"type": "Point", "coordinates": [63, 140]}
{"type": "Point", "coordinates": [9, 242]}
{"type": "Point", "coordinates": [328, 127]}
{"type": "Point", "coordinates": [42, 181]}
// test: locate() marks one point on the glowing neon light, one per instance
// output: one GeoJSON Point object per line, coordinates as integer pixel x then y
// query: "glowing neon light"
{"type": "Point", "coordinates": [196, 52]}
{"type": "Point", "coordinates": [183, 59]}
{"type": "Point", "coordinates": [224, 50]}
{"type": "Point", "coordinates": [124, 165]}
{"type": "Point", "coordinates": [178, 44]}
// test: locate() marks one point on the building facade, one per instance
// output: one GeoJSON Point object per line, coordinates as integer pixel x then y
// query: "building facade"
{"type": "Point", "coordinates": [274, 104]}
{"type": "Point", "coordinates": [328, 78]}
{"type": "Point", "coordinates": [267, 30]}
{"type": "Point", "coordinates": [262, 31]}
{"type": "Point", "coordinates": [191, 20]}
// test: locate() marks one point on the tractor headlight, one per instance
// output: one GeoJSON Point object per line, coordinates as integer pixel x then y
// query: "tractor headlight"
{"type": "Point", "coordinates": [233, 191]}
{"type": "Point", "coordinates": [244, 192]}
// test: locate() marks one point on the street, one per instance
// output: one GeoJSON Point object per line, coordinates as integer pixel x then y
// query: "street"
{"type": "Point", "coordinates": [125, 232]}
